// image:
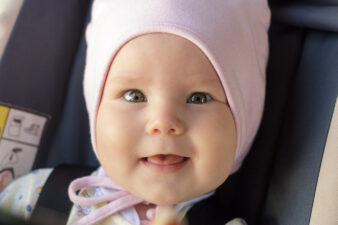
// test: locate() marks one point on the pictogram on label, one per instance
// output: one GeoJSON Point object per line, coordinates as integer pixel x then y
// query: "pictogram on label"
{"type": "Point", "coordinates": [20, 137]}
{"type": "Point", "coordinates": [24, 127]}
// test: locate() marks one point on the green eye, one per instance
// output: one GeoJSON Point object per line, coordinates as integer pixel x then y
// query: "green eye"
{"type": "Point", "coordinates": [199, 98]}
{"type": "Point", "coordinates": [134, 96]}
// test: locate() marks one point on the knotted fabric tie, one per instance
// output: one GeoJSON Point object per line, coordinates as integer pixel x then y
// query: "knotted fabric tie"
{"type": "Point", "coordinates": [117, 201]}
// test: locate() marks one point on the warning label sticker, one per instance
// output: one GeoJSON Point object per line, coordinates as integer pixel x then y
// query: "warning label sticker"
{"type": "Point", "coordinates": [20, 136]}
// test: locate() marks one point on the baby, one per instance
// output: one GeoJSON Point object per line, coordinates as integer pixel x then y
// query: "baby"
{"type": "Point", "coordinates": [175, 93]}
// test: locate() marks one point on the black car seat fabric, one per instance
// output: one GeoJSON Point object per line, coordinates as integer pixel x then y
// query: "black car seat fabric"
{"type": "Point", "coordinates": [277, 183]}
{"type": "Point", "coordinates": [72, 135]}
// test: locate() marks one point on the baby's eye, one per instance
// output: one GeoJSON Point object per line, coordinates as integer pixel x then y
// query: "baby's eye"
{"type": "Point", "coordinates": [134, 96]}
{"type": "Point", "coordinates": [199, 98]}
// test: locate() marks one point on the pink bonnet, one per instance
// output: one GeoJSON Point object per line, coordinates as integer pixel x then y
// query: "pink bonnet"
{"type": "Point", "coordinates": [231, 33]}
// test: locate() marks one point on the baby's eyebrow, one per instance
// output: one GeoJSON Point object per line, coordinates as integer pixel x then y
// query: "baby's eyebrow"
{"type": "Point", "coordinates": [205, 80]}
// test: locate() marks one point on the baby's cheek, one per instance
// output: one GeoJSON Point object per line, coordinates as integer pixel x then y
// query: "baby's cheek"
{"type": "Point", "coordinates": [216, 144]}
{"type": "Point", "coordinates": [116, 131]}
{"type": "Point", "coordinates": [116, 122]}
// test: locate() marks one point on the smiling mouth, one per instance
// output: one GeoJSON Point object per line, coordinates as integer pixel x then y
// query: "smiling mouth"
{"type": "Point", "coordinates": [165, 163]}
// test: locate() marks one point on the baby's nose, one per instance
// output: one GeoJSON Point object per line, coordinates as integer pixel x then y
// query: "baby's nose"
{"type": "Point", "coordinates": [165, 123]}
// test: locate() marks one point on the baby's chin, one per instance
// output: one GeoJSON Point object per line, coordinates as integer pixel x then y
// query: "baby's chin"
{"type": "Point", "coordinates": [170, 193]}
{"type": "Point", "coordinates": [164, 198]}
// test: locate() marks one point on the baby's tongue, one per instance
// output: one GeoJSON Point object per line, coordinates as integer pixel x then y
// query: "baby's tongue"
{"type": "Point", "coordinates": [165, 159]}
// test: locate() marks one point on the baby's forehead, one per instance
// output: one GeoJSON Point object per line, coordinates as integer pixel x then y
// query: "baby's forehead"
{"type": "Point", "coordinates": [155, 53]}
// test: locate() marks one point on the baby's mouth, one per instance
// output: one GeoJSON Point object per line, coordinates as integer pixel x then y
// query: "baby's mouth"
{"type": "Point", "coordinates": [165, 163]}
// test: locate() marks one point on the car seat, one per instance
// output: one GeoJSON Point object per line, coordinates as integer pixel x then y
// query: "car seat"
{"type": "Point", "coordinates": [41, 73]}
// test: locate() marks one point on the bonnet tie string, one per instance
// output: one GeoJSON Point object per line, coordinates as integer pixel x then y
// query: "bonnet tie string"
{"type": "Point", "coordinates": [117, 201]}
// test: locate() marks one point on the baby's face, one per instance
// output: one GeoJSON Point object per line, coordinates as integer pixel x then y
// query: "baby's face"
{"type": "Point", "coordinates": [164, 129]}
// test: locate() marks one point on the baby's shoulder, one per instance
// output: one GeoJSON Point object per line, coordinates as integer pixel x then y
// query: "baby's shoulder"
{"type": "Point", "coordinates": [20, 196]}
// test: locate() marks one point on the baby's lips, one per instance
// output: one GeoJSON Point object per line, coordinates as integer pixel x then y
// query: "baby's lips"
{"type": "Point", "coordinates": [162, 159]}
